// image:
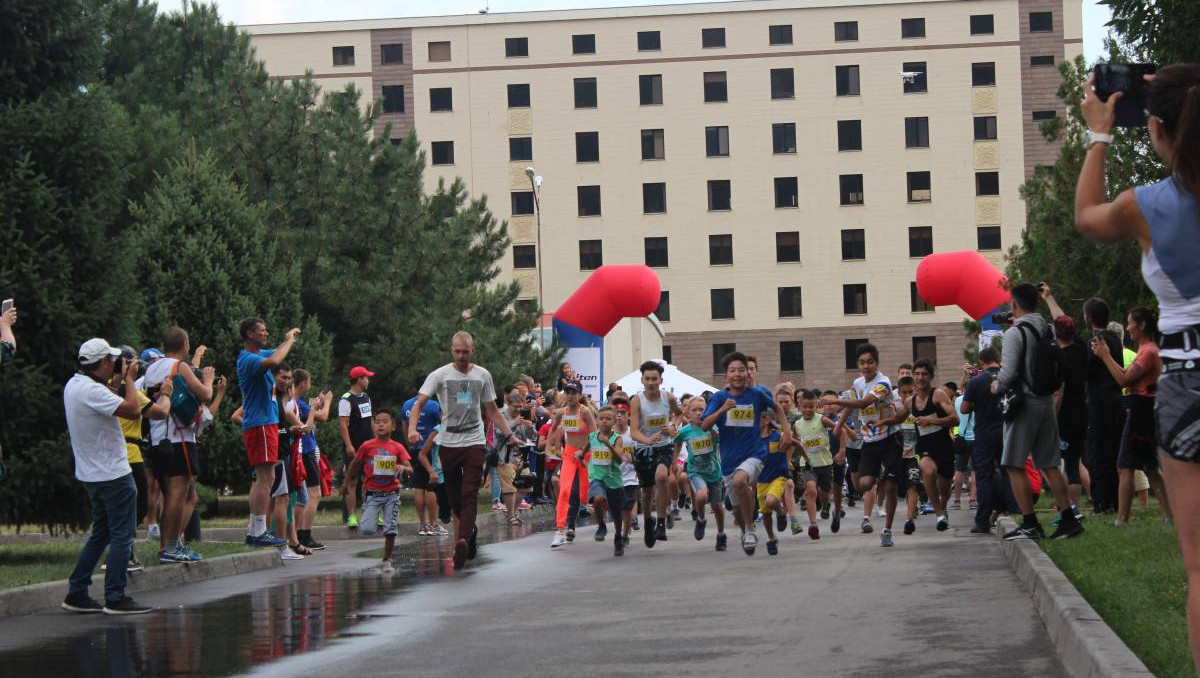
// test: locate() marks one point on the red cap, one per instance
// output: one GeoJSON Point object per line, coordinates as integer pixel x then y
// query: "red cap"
{"type": "Point", "coordinates": [360, 371]}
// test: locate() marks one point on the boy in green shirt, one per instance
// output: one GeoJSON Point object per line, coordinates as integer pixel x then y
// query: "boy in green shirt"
{"type": "Point", "coordinates": [703, 469]}
{"type": "Point", "coordinates": [606, 491]}
{"type": "Point", "coordinates": [811, 431]}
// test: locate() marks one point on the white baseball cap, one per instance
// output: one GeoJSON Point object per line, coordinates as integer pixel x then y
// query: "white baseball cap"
{"type": "Point", "coordinates": [94, 350]}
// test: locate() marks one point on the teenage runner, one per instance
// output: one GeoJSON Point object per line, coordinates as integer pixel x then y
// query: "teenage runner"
{"type": "Point", "coordinates": [650, 421]}
{"type": "Point", "coordinates": [935, 415]}
{"type": "Point", "coordinates": [572, 426]}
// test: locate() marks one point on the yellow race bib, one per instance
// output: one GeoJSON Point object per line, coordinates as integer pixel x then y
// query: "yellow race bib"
{"type": "Point", "coordinates": [742, 415]}
{"type": "Point", "coordinates": [384, 465]}
{"type": "Point", "coordinates": [659, 421]}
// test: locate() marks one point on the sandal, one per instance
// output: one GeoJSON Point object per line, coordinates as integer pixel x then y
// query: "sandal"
{"type": "Point", "coordinates": [515, 521]}
{"type": "Point", "coordinates": [302, 550]}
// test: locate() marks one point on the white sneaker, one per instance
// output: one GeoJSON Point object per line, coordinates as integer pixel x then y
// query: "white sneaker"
{"type": "Point", "coordinates": [439, 531]}
{"type": "Point", "coordinates": [879, 512]}
{"type": "Point", "coordinates": [286, 553]}
{"type": "Point", "coordinates": [153, 533]}
{"type": "Point", "coordinates": [424, 531]}
{"type": "Point", "coordinates": [560, 538]}
{"type": "Point", "coordinates": [387, 567]}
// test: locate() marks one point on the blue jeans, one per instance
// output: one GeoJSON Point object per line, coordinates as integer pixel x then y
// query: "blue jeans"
{"type": "Point", "coordinates": [496, 495]}
{"type": "Point", "coordinates": [114, 520]}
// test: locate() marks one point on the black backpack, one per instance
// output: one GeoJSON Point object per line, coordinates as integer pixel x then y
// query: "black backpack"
{"type": "Point", "coordinates": [1047, 362]}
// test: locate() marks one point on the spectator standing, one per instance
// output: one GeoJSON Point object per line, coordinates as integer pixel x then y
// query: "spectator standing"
{"type": "Point", "coordinates": [1105, 414]}
{"type": "Point", "coordinates": [1071, 401]}
{"type": "Point", "coordinates": [102, 465]}
{"type": "Point", "coordinates": [424, 491]}
{"type": "Point", "coordinates": [983, 406]}
{"type": "Point", "coordinates": [131, 429]}
{"type": "Point", "coordinates": [308, 493]}
{"type": "Point", "coordinates": [354, 422]}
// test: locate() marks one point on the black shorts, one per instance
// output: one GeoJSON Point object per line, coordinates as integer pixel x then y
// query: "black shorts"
{"type": "Point", "coordinates": [880, 459]}
{"type": "Point", "coordinates": [420, 477]}
{"type": "Point", "coordinates": [839, 475]}
{"type": "Point", "coordinates": [962, 454]}
{"type": "Point", "coordinates": [853, 455]}
{"type": "Point", "coordinates": [646, 461]}
{"type": "Point", "coordinates": [822, 476]}
{"type": "Point", "coordinates": [312, 469]}
{"type": "Point", "coordinates": [908, 476]}
{"type": "Point", "coordinates": [940, 448]}
{"type": "Point", "coordinates": [632, 493]}
{"type": "Point", "coordinates": [169, 460]}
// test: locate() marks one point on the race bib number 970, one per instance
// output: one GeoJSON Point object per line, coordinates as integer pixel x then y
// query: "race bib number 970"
{"type": "Point", "coordinates": [699, 446]}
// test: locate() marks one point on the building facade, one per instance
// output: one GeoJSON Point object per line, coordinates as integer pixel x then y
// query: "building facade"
{"type": "Point", "coordinates": [784, 166]}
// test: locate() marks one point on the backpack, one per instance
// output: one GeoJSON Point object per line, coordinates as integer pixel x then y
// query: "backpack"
{"type": "Point", "coordinates": [185, 406]}
{"type": "Point", "coordinates": [1047, 362]}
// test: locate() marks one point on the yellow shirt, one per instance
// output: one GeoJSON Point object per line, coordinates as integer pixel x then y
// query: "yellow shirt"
{"type": "Point", "coordinates": [132, 430]}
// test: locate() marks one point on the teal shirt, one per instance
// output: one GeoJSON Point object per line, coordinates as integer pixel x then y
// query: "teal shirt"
{"type": "Point", "coordinates": [604, 467]}
{"type": "Point", "coordinates": [704, 456]}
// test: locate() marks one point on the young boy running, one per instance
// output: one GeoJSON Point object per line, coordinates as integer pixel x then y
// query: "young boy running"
{"type": "Point", "coordinates": [811, 431]}
{"type": "Point", "coordinates": [628, 469]}
{"type": "Point", "coordinates": [606, 491]}
{"type": "Point", "coordinates": [703, 470]}
{"type": "Point", "coordinates": [839, 444]}
{"type": "Point", "coordinates": [909, 478]}
{"type": "Point", "coordinates": [774, 483]}
{"type": "Point", "coordinates": [381, 461]}
{"type": "Point", "coordinates": [650, 423]}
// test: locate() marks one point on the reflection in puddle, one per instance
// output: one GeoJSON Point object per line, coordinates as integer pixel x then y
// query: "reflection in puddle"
{"type": "Point", "coordinates": [229, 636]}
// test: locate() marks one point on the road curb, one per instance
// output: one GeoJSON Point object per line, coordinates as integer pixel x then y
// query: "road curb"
{"type": "Point", "coordinates": [48, 595]}
{"type": "Point", "coordinates": [1087, 647]}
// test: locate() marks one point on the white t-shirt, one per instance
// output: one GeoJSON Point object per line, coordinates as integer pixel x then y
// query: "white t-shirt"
{"type": "Point", "coordinates": [96, 437]}
{"type": "Point", "coordinates": [628, 470]}
{"type": "Point", "coordinates": [882, 408]}
{"type": "Point", "coordinates": [156, 374]}
{"type": "Point", "coordinates": [461, 396]}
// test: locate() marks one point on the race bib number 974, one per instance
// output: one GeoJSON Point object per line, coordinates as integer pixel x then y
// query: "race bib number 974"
{"type": "Point", "coordinates": [742, 415]}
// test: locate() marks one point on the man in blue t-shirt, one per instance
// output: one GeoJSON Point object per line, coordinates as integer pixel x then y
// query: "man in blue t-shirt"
{"type": "Point", "coordinates": [424, 495]}
{"type": "Point", "coordinates": [260, 420]}
{"type": "Point", "coordinates": [738, 411]}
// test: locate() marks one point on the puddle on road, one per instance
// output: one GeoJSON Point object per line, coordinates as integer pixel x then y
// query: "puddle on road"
{"type": "Point", "coordinates": [232, 635]}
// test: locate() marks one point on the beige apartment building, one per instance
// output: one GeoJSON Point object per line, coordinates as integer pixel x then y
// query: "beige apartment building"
{"type": "Point", "coordinates": [783, 165]}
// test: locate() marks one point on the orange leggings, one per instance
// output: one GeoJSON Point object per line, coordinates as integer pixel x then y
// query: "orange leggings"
{"type": "Point", "coordinates": [573, 475]}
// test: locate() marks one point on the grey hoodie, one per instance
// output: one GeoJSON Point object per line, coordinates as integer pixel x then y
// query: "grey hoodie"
{"type": "Point", "coordinates": [1013, 348]}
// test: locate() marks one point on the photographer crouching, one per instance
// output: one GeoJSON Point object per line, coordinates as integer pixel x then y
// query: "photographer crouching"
{"type": "Point", "coordinates": [1164, 219]}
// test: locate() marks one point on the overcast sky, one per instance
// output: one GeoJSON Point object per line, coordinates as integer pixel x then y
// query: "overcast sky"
{"type": "Point", "coordinates": [280, 11]}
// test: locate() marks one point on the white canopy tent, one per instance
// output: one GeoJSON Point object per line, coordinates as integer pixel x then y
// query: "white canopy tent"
{"type": "Point", "coordinates": [674, 380]}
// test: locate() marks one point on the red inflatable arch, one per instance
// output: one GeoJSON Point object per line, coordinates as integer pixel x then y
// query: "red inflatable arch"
{"type": "Point", "coordinates": [964, 279]}
{"type": "Point", "coordinates": [608, 295]}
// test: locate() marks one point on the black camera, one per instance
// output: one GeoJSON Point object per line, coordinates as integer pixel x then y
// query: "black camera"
{"type": "Point", "coordinates": [1005, 318]}
{"type": "Point", "coordinates": [1128, 79]}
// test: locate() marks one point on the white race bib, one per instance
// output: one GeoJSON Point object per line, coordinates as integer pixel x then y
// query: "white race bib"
{"type": "Point", "coordinates": [364, 410]}
{"type": "Point", "coordinates": [742, 415]}
{"type": "Point", "coordinates": [383, 465]}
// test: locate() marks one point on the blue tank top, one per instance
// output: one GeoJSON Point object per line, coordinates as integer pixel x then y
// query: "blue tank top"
{"type": "Point", "coordinates": [1170, 266]}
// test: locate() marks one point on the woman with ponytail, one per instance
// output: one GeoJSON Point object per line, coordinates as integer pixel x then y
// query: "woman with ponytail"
{"type": "Point", "coordinates": [1164, 218]}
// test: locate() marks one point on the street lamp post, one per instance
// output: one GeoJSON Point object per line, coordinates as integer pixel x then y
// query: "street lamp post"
{"type": "Point", "coordinates": [535, 183]}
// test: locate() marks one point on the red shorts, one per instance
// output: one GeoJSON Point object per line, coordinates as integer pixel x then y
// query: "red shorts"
{"type": "Point", "coordinates": [262, 444]}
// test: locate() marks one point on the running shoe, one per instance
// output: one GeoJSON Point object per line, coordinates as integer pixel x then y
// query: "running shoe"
{"type": "Point", "coordinates": [885, 538]}
{"type": "Point", "coordinates": [973, 505]}
{"type": "Point", "coordinates": [387, 567]}
{"type": "Point", "coordinates": [473, 543]}
{"type": "Point", "coordinates": [424, 531]}
{"type": "Point", "coordinates": [825, 512]}
{"type": "Point", "coordinates": [190, 555]}
{"type": "Point", "coordinates": [926, 509]}
{"type": "Point", "coordinates": [584, 512]}
{"type": "Point", "coordinates": [749, 542]}
{"type": "Point", "coordinates": [675, 515]}
{"type": "Point", "coordinates": [780, 522]}
{"type": "Point", "coordinates": [797, 528]}
{"type": "Point", "coordinates": [460, 554]}
{"type": "Point", "coordinates": [660, 532]}
{"type": "Point", "coordinates": [694, 515]}
{"type": "Point", "coordinates": [601, 532]}
{"type": "Point", "coordinates": [165, 557]}
{"type": "Point", "coordinates": [670, 522]}
{"type": "Point", "coordinates": [879, 512]}
{"type": "Point", "coordinates": [722, 541]}
{"type": "Point", "coordinates": [698, 532]}
{"type": "Point", "coordinates": [352, 522]}
{"type": "Point", "coordinates": [618, 546]}
{"type": "Point", "coordinates": [153, 532]}
{"type": "Point", "coordinates": [265, 539]}
{"type": "Point", "coordinates": [438, 530]}
{"type": "Point", "coordinates": [1023, 532]}
{"type": "Point", "coordinates": [524, 506]}
{"type": "Point", "coordinates": [125, 606]}
{"type": "Point", "coordinates": [560, 539]}
{"type": "Point", "coordinates": [850, 500]}
{"type": "Point", "coordinates": [286, 553]}
{"type": "Point", "coordinates": [772, 547]}
{"type": "Point", "coordinates": [943, 524]}
{"type": "Point", "coordinates": [867, 528]}
{"type": "Point", "coordinates": [814, 532]}
{"type": "Point", "coordinates": [134, 565]}
{"type": "Point", "coordinates": [313, 544]}
{"type": "Point", "coordinates": [910, 526]}
{"type": "Point", "coordinates": [1067, 530]}
{"type": "Point", "coordinates": [957, 505]}
{"type": "Point", "coordinates": [648, 534]}
{"type": "Point", "coordinates": [81, 603]}
{"type": "Point", "coordinates": [835, 524]}
{"type": "Point", "coordinates": [634, 525]}
{"type": "Point", "coordinates": [570, 534]}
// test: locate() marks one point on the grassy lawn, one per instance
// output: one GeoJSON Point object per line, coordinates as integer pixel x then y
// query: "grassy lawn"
{"type": "Point", "coordinates": [1134, 578]}
{"type": "Point", "coordinates": [31, 563]}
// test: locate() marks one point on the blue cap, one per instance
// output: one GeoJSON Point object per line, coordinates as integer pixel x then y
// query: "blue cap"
{"type": "Point", "coordinates": [151, 354]}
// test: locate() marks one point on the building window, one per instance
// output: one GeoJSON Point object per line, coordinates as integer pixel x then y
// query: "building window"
{"type": "Point", "coordinates": [918, 303]}
{"type": "Point", "coordinates": [920, 187]}
{"type": "Point", "coordinates": [651, 89]}
{"type": "Point", "coordinates": [783, 137]}
{"type": "Point", "coordinates": [790, 305]}
{"type": "Point", "coordinates": [1041, 22]}
{"type": "Point", "coordinates": [780, 34]}
{"type": "Point", "coordinates": [715, 87]}
{"type": "Point", "coordinates": [391, 54]}
{"type": "Point", "coordinates": [396, 141]}
{"type": "Point", "coordinates": [783, 83]}
{"type": "Point", "coordinates": [587, 147]}
{"type": "Point", "coordinates": [1044, 115]}
{"type": "Point", "coordinates": [849, 135]}
{"type": "Point", "coordinates": [988, 238]}
{"type": "Point", "coordinates": [847, 81]}
{"type": "Point", "coordinates": [845, 31]}
{"type": "Point", "coordinates": [791, 356]}
{"type": "Point", "coordinates": [983, 74]}
{"type": "Point", "coordinates": [524, 256]}
{"type": "Point", "coordinates": [722, 303]}
{"type": "Point", "coordinates": [441, 99]}
{"type": "Point", "coordinates": [393, 98]}
{"type": "Point", "coordinates": [787, 192]}
{"type": "Point", "coordinates": [654, 198]}
{"type": "Point", "coordinates": [526, 305]}
{"type": "Point", "coordinates": [520, 148]}
{"type": "Point", "coordinates": [852, 352]}
{"type": "Point", "coordinates": [343, 56]}
{"type": "Point", "coordinates": [719, 195]}
{"type": "Point", "coordinates": [716, 141]}
{"type": "Point", "coordinates": [1046, 60]}
{"type": "Point", "coordinates": [656, 252]}
{"type": "Point", "coordinates": [585, 92]}
{"type": "Point", "coordinates": [854, 299]}
{"type": "Point", "coordinates": [591, 255]}
{"type": "Point", "coordinates": [589, 200]}
{"type": "Point", "coordinates": [583, 44]}
{"type": "Point", "coordinates": [787, 247]}
{"type": "Point", "coordinates": [920, 241]}
{"type": "Point", "coordinates": [442, 152]}
{"type": "Point", "coordinates": [518, 96]}
{"type": "Point", "coordinates": [916, 132]}
{"type": "Point", "coordinates": [985, 127]}
{"type": "Point", "coordinates": [649, 41]}
{"type": "Point", "coordinates": [987, 183]}
{"type": "Point", "coordinates": [720, 250]}
{"type": "Point", "coordinates": [925, 348]}
{"type": "Point", "coordinates": [850, 188]}
{"type": "Point", "coordinates": [522, 203]}
{"type": "Point", "coordinates": [712, 37]}
{"type": "Point", "coordinates": [854, 244]}
{"type": "Point", "coordinates": [912, 28]}
{"type": "Point", "coordinates": [516, 47]}
{"type": "Point", "coordinates": [983, 24]}
{"type": "Point", "coordinates": [719, 353]}
{"type": "Point", "coordinates": [654, 145]}
{"type": "Point", "coordinates": [663, 312]}
{"type": "Point", "coordinates": [667, 354]}
{"type": "Point", "coordinates": [439, 51]}
{"type": "Point", "coordinates": [916, 77]}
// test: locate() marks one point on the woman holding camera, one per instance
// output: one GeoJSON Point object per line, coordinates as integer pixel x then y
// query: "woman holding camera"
{"type": "Point", "coordinates": [1164, 218]}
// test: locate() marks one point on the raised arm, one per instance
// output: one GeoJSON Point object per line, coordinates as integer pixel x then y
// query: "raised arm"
{"type": "Point", "coordinates": [281, 352]}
